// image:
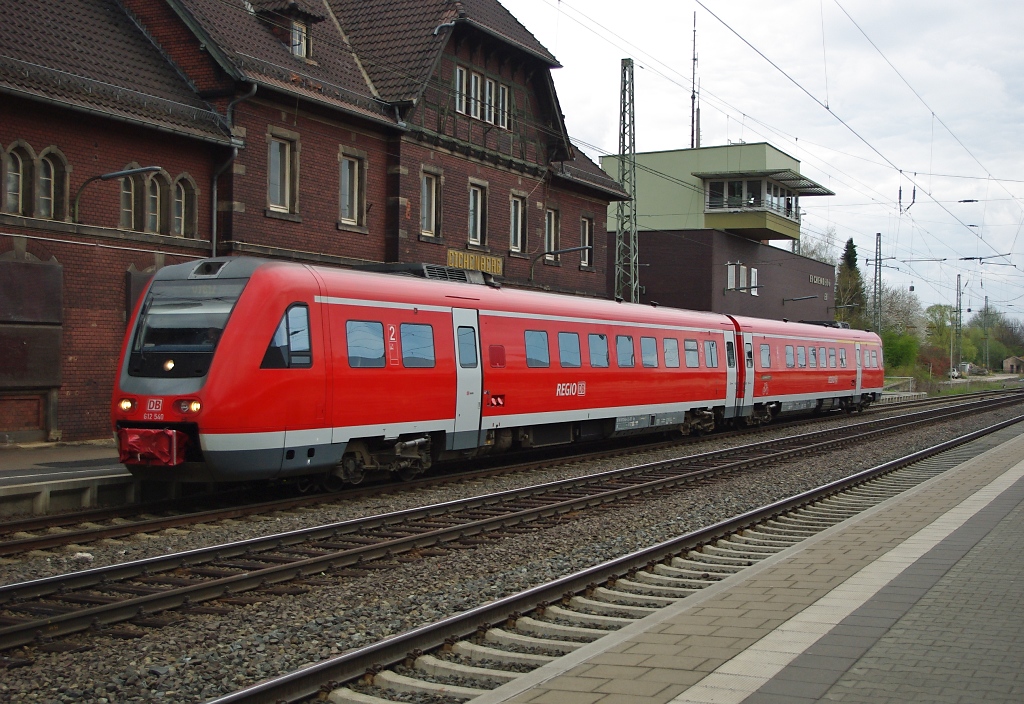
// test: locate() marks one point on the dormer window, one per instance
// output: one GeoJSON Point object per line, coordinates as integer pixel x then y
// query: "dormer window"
{"type": "Point", "coordinates": [300, 40]}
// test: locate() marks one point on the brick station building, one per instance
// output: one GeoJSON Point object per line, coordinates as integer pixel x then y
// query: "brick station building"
{"type": "Point", "coordinates": [337, 132]}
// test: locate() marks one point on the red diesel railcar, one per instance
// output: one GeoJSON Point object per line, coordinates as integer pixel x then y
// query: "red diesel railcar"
{"type": "Point", "coordinates": [238, 368]}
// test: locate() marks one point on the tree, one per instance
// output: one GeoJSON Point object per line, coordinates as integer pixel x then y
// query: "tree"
{"type": "Point", "coordinates": [822, 249]}
{"type": "Point", "coordinates": [901, 311]}
{"type": "Point", "coordinates": [851, 301]}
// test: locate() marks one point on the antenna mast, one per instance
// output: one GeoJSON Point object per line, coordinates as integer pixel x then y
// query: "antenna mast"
{"type": "Point", "coordinates": [627, 284]}
{"type": "Point", "coordinates": [693, 92]}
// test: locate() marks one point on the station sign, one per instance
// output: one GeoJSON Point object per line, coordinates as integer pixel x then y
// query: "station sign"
{"type": "Point", "coordinates": [461, 259]}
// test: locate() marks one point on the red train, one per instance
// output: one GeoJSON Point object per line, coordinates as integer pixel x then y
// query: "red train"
{"type": "Point", "coordinates": [239, 368]}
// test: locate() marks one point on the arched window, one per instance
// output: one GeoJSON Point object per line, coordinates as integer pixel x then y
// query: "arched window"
{"type": "Point", "coordinates": [14, 188]}
{"type": "Point", "coordinates": [178, 210]}
{"type": "Point", "coordinates": [128, 203]}
{"type": "Point", "coordinates": [46, 187]}
{"type": "Point", "coordinates": [182, 211]}
{"type": "Point", "coordinates": [153, 206]}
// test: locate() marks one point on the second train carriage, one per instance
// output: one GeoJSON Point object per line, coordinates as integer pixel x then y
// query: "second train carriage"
{"type": "Point", "coordinates": [236, 369]}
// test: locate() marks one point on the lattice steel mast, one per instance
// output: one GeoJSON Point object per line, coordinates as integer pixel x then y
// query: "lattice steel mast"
{"type": "Point", "coordinates": [627, 283]}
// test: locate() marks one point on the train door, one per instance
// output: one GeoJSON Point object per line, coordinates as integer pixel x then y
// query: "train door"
{"type": "Point", "coordinates": [856, 355]}
{"type": "Point", "coordinates": [469, 380]}
{"type": "Point", "coordinates": [748, 375]}
{"type": "Point", "coordinates": [730, 374]}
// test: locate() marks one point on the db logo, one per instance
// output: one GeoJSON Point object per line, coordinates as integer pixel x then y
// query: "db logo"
{"type": "Point", "coordinates": [154, 404]}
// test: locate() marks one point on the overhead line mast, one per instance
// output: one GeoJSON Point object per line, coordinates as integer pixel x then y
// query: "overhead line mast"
{"type": "Point", "coordinates": [627, 283]}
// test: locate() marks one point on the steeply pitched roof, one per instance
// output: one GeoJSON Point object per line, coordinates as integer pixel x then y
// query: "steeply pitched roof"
{"type": "Point", "coordinates": [400, 40]}
{"type": "Point", "coordinates": [582, 170]}
{"type": "Point", "coordinates": [89, 56]}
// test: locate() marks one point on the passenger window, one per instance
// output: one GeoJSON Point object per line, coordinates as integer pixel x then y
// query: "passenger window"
{"type": "Point", "coordinates": [690, 352]}
{"type": "Point", "coordinates": [813, 358]}
{"type": "Point", "coordinates": [649, 351]}
{"type": "Point", "coordinates": [730, 355]}
{"type": "Point", "coordinates": [417, 345]}
{"type": "Point", "coordinates": [467, 347]}
{"type": "Point", "coordinates": [598, 350]}
{"type": "Point", "coordinates": [671, 349]}
{"type": "Point", "coordinates": [842, 357]}
{"type": "Point", "coordinates": [290, 347]}
{"type": "Point", "coordinates": [749, 347]}
{"type": "Point", "coordinates": [711, 354]}
{"type": "Point", "coordinates": [766, 357]}
{"type": "Point", "coordinates": [497, 355]}
{"type": "Point", "coordinates": [790, 362]}
{"type": "Point", "coordinates": [365, 343]}
{"type": "Point", "coordinates": [624, 350]}
{"type": "Point", "coordinates": [801, 357]}
{"type": "Point", "coordinates": [874, 359]}
{"type": "Point", "coordinates": [569, 349]}
{"type": "Point", "coordinates": [537, 349]}
{"type": "Point", "coordinates": [832, 357]}
{"type": "Point", "coordinates": [821, 357]}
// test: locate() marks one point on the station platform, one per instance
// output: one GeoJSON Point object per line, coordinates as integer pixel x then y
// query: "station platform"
{"type": "Point", "coordinates": [920, 599]}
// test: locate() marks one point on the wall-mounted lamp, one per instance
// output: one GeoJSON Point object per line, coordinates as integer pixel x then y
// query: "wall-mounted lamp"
{"type": "Point", "coordinates": [799, 298]}
{"type": "Point", "coordinates": [559, 251]}
{"type": "Point", "coordinates": [111, 175]}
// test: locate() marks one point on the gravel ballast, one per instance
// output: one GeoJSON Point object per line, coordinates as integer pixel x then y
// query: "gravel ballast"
{"type": "Point", "coordinates": [204, 656]}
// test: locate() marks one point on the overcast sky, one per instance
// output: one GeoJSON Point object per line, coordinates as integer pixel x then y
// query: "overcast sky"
{"type": "Point", "coordinates": [954, 119]}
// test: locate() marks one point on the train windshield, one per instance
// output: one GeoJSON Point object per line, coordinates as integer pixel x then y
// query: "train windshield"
{"type": "Point", "coordinates": [181, 323]}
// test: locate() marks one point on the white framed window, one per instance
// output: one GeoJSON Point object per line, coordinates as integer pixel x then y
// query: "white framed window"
{"type": "Point", "coordinates": [279, 171]}
{"type": "Point", "coordinates": [429, 192]}
{"type": "Point", "coordinates": [14, 188]}
{"type": "Point", "coordinates": [153, 206]}
{"type": "Point", "coordinates": [477, 214]}
{"type": "Point", "coordinates": [299, 39]}
{"type": "Point", "coordinates": [127, 203]}
{"type": "Point", "coordinates": [753, 281]}
{"type": "Point", "coordinates": [489, 101]}
{"type": "Point", "coordinates": [551, 233]}
{"type": "Point", "coordinates": [587, 240]}
{"type": "Point", "coordinates": [46, 191]}
{"type": "Point", "coordinates": [178, 210]}
{"type": "Point", "coordinates": [504, 106]}
{"type": "Point", "coordinates": [743, 277]}
{"type": "Point", "coordinates": [730, 276]}
{"type": "Point", "coordinates": [350, 196]}
{"type": "Point", "coordinates": [517, 224]}
{"type": "Point", "coordinates": [460, 89]}
{"type": "Point", "coordinates": [475, 89]}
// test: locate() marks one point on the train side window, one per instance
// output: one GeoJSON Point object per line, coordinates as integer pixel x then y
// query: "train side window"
{"type": "Point", "coordinates": [569, 349]}
{"type": "Point", "coordinates": [365, 343]}
{"type": "Point", "coordinates": [649, 351]}
{"type": "Point", "coordinates": [711, 354]}
{"type": "Point", "coordinates": [537, 354]}
{"type": "Point", "coordinates": [624, 350]}
{"type": "Point", "coordinates": [467, 347]}
{"type": "Point", "coordinates": [832, 357]}
{"type": "Point", "coordinates": [497, 355]}
{"type": "Point", "coordinates": [290, 348]}
{"type": "Point", "coordinates": [690, 353]}
{"type": "Point", "coordinates": [417, 345]}
{"type": "Point", "coordinates": [598, 349]}
{"type": "Point", "coordinates": [801, 357]}
{"type": "Point", "coordinates": [730, 354]}
{"type": "Point", "coordinates": [749, 347]}
{"type": "Point", "coordinates": [842, 357]}
{"type": "Point", "coordinates": [671, 349]}
{"type": "Point", "coordinates": [874, 359]}
{"type": "Point", "coordinates": [766, 356]}
{"type": "Point", "coordinates": [813, 358]}
{"type": "Point", "coordinates": [790, 361]}
{"type": "Point", "coordinates": [821, 357]}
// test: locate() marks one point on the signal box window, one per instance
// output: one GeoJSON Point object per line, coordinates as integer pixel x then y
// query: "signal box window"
{"type": "Point", "coordinates": [290, 348]}
{"type": "Point", "coordinates": [766, 357]}
{"type": "Point", "coordinates": [649, 351]}
{"type": "Point", "coordinates": [365, 343]}
{"type": "Point", "coordinates": [671, 349]}
{"type": "Point", "coordinates": [790, 361]}
{"type": "Point", "coordinates": [467, 347]}
{"type": "Point", "coordinates": [624, 350]}
{"type": "Point", "coordinates": [417, 345]}
{"type": "Point", "coordinates": [801, 357]}
{"type": "Point", "coordinates": [598, 350]}
{"type": "Point", "coordinates": [569, 349]}
{"type": "Point", "coordinates": [537, 349]}
{"type": "Point", "coordinates": [690, 352]}
{"type": "Point", "coordinates": [711, 354]}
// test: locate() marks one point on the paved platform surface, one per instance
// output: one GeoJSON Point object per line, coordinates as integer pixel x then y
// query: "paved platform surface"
{"type": "Point", "coordinates": [43, 462]}
{"type": "Point", "coordinates": [920, 599]}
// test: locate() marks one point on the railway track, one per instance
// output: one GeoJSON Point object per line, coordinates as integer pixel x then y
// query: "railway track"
{"type": "Point", "coordinates": [83, 527]}
{"type": "Point", "coordinates": [137, 594]}
{"type": "Point", "coordinates": [467, 655]}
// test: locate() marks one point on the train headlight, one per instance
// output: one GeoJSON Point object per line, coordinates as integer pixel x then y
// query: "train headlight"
{"type": "Point", "coordinates": [168, 365]}
{"type": "Point", "coordinates": [186, 405]}
{"type": "Point", "coordinates": [127, 405]}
